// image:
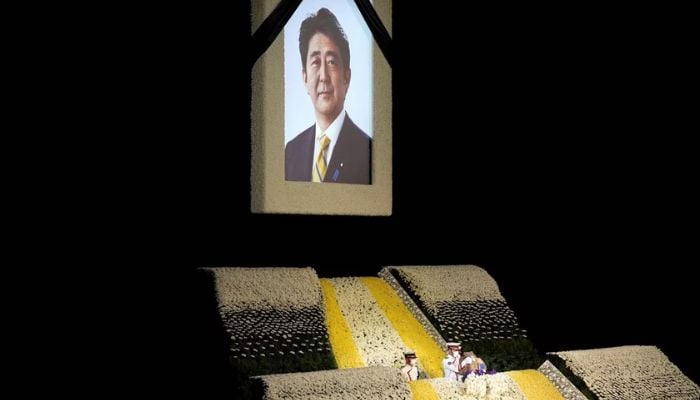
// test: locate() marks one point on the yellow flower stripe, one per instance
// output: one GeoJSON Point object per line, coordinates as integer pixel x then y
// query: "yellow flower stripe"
{"type": "Point", "coordinates": [535, 385]}
{"type": "Point", "coordinates": [412, 333]}
{"type": "Point", "coordinates": [344, 349]}
{"type": "Point", "coordinates": [423, 390]}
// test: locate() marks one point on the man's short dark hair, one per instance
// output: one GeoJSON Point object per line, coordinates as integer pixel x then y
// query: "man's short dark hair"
{"type": "Point", "coordinates": [323, 22]}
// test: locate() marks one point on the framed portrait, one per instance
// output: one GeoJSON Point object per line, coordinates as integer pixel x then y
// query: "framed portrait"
{"type": "Point", "coordinates": [321, 112]}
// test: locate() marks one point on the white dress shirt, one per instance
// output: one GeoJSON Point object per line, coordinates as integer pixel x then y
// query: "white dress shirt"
{"type": "Point", "coordinates": [332, 132]}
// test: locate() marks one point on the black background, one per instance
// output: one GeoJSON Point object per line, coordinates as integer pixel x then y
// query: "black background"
{"type": "Point", "coordinates": [542, 144]}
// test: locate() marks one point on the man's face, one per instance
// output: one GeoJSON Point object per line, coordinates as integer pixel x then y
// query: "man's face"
{"type": "Point", "coordinates": [326, 78]}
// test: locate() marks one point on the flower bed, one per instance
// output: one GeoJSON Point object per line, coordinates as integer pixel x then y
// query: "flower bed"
{"type": "Point", "coordinates": [407, 326]}
{"type": "Point", "coordinates": [465, 305]}
{"type": "Point", "coordinates": [375, 338]}
{"type": "Point", "coordinates": [375, 323]}
{"type": "Point", "coordinates": [357, 383]}
{"type": "Point", "coordinates": [274, 319]}
{"type": "Point", "coordinates": [534, 385]}
{"type": "Point", "coordinates": [383, 383]}
{"type": "Point", "coordinates": [343, 345]}
{"type": "Point", "coordinates": [498, 386]}
{"type": "Point", "coordinates": [242, 289]}
{"type": "Point", "coordinates": [627, 372]}
{"type": "Point", "coordinates": [471, 308]}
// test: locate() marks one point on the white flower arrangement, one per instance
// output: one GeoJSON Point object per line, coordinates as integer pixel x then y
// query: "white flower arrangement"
{"type": "Point", "coordinates": [629, 372]}
{"type": "Point", "coordinates": [375, 337]}
{"type": "Point", "coordinates": [450, 283]}
{"type": "Point", "coordinates": [241, 289]}
{"type": "Point", "coordinates": [498, 386]}
{"type": "Point", "coordinates": [463, 300]}
{"type": "Point", "coordinates": [369, 383]}
{"type": "Point", "coordinates": [270, 308]}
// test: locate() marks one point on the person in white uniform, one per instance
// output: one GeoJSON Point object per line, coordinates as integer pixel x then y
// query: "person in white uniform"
{"type": "Point", "coordinates": [450, 365]}
{"type": "Point", "coordinates": [410, 370]}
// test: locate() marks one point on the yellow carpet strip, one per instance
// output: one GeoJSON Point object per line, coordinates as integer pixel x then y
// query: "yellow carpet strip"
{"type": "Point", "coordinates": [412, 333]}
{"type": "Point", "coordinates": [534, 385]}
{"type": "Point", "coordinates": [340, 337]}
{"type": "Point", "coordinates": [422, 389]}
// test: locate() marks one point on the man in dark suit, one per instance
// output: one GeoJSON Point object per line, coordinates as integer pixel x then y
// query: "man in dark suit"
{"type": "Point", "coordinates": [334, 149]}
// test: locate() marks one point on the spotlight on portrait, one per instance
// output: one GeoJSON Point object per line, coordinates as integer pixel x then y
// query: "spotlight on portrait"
{"type": "Point", "coordinates": [321, 113]}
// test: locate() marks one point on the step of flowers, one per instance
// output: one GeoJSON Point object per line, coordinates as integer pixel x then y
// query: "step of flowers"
{"type": "Point", "coordinates": [512, 385]}
{"type": "Point", "coordinates": [497, 386]}
{"type": "Point", "coordinates": [366, 317]}
{"type": "Point", "coordinates": [625, 372]}
{"type": "Point", "coordinates": [273, 318]}
{"type": "Point", "coordinates": [464, 304]}
{"type": "Point", "coordinates": [371, 383]}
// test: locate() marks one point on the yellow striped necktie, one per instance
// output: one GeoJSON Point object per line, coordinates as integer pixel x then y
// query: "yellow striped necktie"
{"type": "Point", "coordinates": [320, 165]}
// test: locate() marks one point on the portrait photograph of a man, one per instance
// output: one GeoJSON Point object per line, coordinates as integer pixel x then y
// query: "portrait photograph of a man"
{"type": "Point", "coordinates": [328, 94]}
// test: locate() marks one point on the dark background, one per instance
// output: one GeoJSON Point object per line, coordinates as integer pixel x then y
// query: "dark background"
{"type": "Point", "coordinates": [542, 144]}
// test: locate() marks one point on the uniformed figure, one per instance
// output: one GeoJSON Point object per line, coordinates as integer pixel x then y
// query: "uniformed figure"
{"type": "Point", "coordinates": [410, 370]}
{"type": "Point", "coordinates": [457, 354]}
{"type": "Point", "coordinates": [450, 365]}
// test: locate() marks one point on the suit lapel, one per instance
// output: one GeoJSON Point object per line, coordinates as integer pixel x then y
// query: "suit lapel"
{"type": "Point", "coordinates": [309, 156]}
